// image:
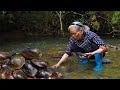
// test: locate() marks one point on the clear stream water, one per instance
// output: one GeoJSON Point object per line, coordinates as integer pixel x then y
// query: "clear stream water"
{"type": "Point", "coordinates": [70, 69]}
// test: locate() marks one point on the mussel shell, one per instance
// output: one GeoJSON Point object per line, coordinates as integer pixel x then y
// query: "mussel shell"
{"type": "Point", "coordinates": [29, 69]}
{"type": "Point", "coordinates": [17, 61]}
{"type": "Point", "coordinates": [43, 73]}
{"type": "Point", "coordinates": [11, 77]}
{"type": "Point", "coordinates": [56, 75]}
{"type": "Point", "coordinates": [19, 74]}
{"type": "Point", "coordinates": [5, 56]}
{"type": "Point", "coordinates": [5, 64]}
{"type": "Point", "coordinates": [6, 72]}
{"type": "Point", "coordinates": [31, 53]}
{"type": "Point", "coordinates": [39, 64]}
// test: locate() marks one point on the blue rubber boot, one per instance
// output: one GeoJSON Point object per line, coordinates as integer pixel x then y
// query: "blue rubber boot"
{"type": "Point", "coordinates": [98, 61]}
{"type": "Point", "coordinates": [83, 61]}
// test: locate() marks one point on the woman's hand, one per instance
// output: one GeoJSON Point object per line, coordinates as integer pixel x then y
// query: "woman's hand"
{"type": "Point", "coordinates": [83, 56]}
{"type": "Point", "coordinates": [89, 54]}
{"type": "Point", "coordinates": [100, 50]}
{"type": "Point", "coordinates": [55, 66]}
{"type": "Point", "coordinates": [86, 55]}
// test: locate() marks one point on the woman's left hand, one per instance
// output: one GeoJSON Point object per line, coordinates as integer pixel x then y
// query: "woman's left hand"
{"type": "Point", "coordinates": [83, 56]}
{"type": "Point", "coordinates": [89, 54]}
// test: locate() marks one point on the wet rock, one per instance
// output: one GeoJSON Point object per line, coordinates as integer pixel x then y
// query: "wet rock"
{"type": "Point", "coordinates": [114, 47]}
{"type": "Point", "coordinates": [106, 61]}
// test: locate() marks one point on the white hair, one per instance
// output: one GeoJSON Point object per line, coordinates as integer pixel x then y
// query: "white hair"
{"type": "Point", "coordinates": [74, 26]}
{"type": "Point", "coordinates": [78, 25]}
{"type": "Point", "coordinates": [86, 28]}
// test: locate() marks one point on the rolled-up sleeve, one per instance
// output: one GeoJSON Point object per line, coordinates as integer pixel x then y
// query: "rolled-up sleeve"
{"type": "Point", "coordinates": [68, 53]}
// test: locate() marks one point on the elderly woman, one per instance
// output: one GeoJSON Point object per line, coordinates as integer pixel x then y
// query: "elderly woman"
{"type": "Point", "coordinates": [85, 44]}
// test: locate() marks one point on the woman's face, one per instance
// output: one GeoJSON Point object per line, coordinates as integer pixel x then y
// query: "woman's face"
{"type": "Point", "coordinates": [78, 35]}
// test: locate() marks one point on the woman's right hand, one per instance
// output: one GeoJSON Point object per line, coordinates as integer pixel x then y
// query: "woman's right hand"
{"type": "Point", "coordinates": [64, 57]}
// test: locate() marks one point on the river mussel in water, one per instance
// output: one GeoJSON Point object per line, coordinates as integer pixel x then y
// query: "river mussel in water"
{"type": "Point", "coordinates": [29, 69]}
{"type": "Point", "coordinates": [5, 58]}
{"type": "Point", "coordinates": [17, 61]}
{"type": "Point", "coordinates": [19, 74]}
{"type": "Point", "coordinates": [26, 65]}
{"type": "Point", "coordinates": [43, 73]}
{"type": "Point", "coordinates": [6, 73]}
{"type": "Point", "coordinates": [31, 53]}
{"type": "Point", "coordinates": [5, 55]}
{"type": "Point", "coordinates": [38, 64]}
{"type": "Point", "coordinates": [56, 75]}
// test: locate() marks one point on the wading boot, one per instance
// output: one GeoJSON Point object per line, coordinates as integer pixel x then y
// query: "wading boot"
{"type": "Point", "coordinates": [98, 61]}
{"type": "Point", "coordinates": [82, 61]}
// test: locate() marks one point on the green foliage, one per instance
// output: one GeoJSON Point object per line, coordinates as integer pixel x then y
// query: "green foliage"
{"type": "Point", "coordinates": [116, 17]}
{"type": "Point", "coordinates": [96, 25]}
{"type": "Point", "coordinates": [95, 22]}
{"type": "Point", "coordinates": [56, 22]}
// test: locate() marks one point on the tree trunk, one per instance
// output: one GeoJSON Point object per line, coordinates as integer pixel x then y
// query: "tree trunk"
{"type": "Point", "coordinates": [61, 24]}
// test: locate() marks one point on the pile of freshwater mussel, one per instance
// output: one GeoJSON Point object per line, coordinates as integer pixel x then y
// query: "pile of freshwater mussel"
{"type": "Point", "coordinates": [26, 65]}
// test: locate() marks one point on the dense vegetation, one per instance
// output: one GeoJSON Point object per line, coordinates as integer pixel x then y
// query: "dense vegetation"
{"type": "Point", "coordinates": [42, 23]}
